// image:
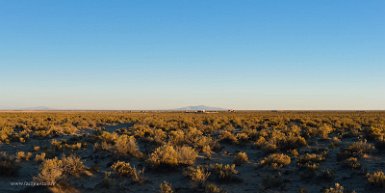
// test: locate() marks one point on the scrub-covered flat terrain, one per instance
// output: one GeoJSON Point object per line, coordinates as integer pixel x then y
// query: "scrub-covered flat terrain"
{"type": "Point", "coordinates": [192, 152]}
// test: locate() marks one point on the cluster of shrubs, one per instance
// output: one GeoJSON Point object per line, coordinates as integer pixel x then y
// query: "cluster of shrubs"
{"type": "Point", "coordinates": [311, 161]}
{"type": "Point", "coordinates": [180, 141]}
{"type": "Point", "coordinates": [56, 170]}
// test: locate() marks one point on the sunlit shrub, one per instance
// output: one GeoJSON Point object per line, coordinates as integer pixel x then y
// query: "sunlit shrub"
{"type": "Point", "coordinates": [165, 154]}
{"type": "Point", "coordinates": [197, 174]}
{"type": "Point", "coordinates": [168, 155]}
{"type": "Point", "coordinates": [311, 160]}
{"type": "Point", "coordinates": [186, 155]}
{"type": "Point", "coordinates": [276, 160]}
{"type": "Point", "coordinates": [207, 151]}
{"type": "Point", "coordinates": [212, 188]}
{"type": "Point", "coordinates": [166, 187]}
{"type": "Point", "coordinates": [73, 165]}
{"type": "Point", "coordinates": [40, 157]}
{"type": "Point", "coordinates": [377, 132]}
{"type": "Point", "coordinates": [125, 169]}
{"type": "Point", "coordinates": [352, 162]}
{"type": "Point", "coordinates": [5, 132]}
{"type": "Point", "coordinates": [336, 189]}
{"type": "Point", "coordinates": [357, 149]}
{"type": "Point", "coordinates": [126, 145]}
{"type": "Point", "coordinates": [241, 158]}
{"type": "Point", "coordinates": [376, 178]}
{"type": "Point", "coordinates": [224, 171]}
{"type": "Point", "coordinates": [51, 171]}
{"type": "Point", "coordinates": [227, 136]}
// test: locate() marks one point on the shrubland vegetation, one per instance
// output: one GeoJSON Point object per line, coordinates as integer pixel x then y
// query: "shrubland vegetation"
{"type": "Point", "coordinates": [194, 152]}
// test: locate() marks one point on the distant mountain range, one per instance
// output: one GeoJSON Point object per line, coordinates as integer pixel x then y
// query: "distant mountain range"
{"type": "Point", "coordinates": [199, 108]}
{"type": "Point", "coordinates": [25, 108]}
{"type": "Point", "coordinates": [44, 108]}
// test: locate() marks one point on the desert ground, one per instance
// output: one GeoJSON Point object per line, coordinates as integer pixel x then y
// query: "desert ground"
{"type": "Point", "coordinates": [121, 151]}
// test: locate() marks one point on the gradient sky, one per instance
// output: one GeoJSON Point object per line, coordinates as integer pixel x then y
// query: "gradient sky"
{"type": "Point", "coordinates": [248, 54]}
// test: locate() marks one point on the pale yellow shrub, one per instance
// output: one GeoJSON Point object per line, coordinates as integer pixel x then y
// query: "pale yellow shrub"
{"type": "Point", "coordinates": [197, 174]}
{"type": "Point", "coordinates": [276, 160]}
{"type": "Point", "coordinates": [125, 169]}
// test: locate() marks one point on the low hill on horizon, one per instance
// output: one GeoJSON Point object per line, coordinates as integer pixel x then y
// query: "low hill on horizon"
{"type": "Point", "coordinates": [200, 108]}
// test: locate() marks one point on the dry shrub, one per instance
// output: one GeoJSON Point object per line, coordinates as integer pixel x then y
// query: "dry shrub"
{"type": "Point", "coordinates": [159, 136]}
{"type": "Point", "coordinates": [36, 148]}
{"type": "Point", "coordinates": [294, 153]}
{"type": "Point", "coordinates": [195, 138]}
{"type": "Point", "coordinates": [40, 157]}
{"type": "Point", "coordinates": [177, 137]}
{"type": "Point", "coordinates": [125, 169]}
{"type": "Point", "coordinates": [228, 137]}
{"type": "Point", "coordinates": [352, 162]}
{"type": "Point", "coordinates": [20, 155]}
{"type": "Point", "coordinates": [109, 137]}
{"type": "Point", "coordinates": [166, 187]}
{"type": "Point", "coordinates": [212, 188]}
{"type": "Point", "coordinates": [207, 151]}
{"type": "Point", "coordinates": [186, 155]}
{"type": "Point", "coordinates": [103, 146]}
{"type": "Point", "coordinates": [241, 158]}
{"type": "Point", "coordinates": [127, 145]}
{"type": "Point", "coordinates": [266, 145]}
{"type": "Point", "coordinates": [56, 144]}
{"type": "Point", "coordinates": [164, 155]}
{"type": "Point", "coordinates": [51, 171]}
{"type": "Point", "coordinates": [377, 132]}
{"type": "Point", "coordinates": [75, 146]}
{"type": "Point", "coordinates": [276, 160]}
{"type": "Point", "coordinates": [376, 178]}
{"type": "Point", "coordinates": [8, 167]}
{"type": "Point", "coordinates": [311, 161]}
{"type": "Point", "coordinates": [282, 137]}
{"type": "Point", "coordinates": [73, 165]}
{"type": "Point", "coordinates": [5, 132]}
{"type": "Point", "coordinates": [168, 155]}
{"type": "Point", "coordinates": [360, 148]}
{"type": "Point", "coordinates": [243, 137]}
{"type": "Point", "coordinates": [198, 174]}
{"type": "Point", "coordinates": [324, 131]}
{"type": "Point", "coordinates": [357, 149]}
{"type": "Point", "coordinates": [224, 172]}
{"type": "Point", "coordinates": [336, 189]}
{"type": "Point", "coordinates": [65, 129]}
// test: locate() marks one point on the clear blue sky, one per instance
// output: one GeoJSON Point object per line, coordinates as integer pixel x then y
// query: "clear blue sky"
{"type": "Point", "coordinates": [248, 54]}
